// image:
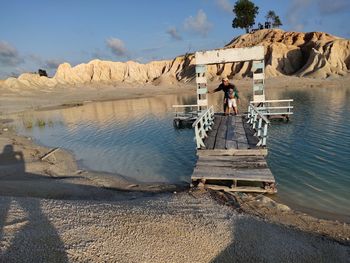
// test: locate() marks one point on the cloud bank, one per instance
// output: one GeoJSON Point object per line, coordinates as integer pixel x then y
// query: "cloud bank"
{"type": "Point", "coordinates": [9, 55]}
{"type": "Point", "coordinates": [198, 24]}
{"type": "Point", "coordinates": [117, 47]}
{"type": "Point", "coordinates": [173, 33]}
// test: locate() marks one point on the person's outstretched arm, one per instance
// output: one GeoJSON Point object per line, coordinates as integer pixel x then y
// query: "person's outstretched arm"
{"type": "Point", "coordinates": [215, 90]}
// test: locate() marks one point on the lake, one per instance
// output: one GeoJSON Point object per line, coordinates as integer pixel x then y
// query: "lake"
{"type": "Point", "coordinates": [309, 156]}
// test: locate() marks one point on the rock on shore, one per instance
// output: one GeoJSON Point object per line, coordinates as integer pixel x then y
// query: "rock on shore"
{"type": "Point", "coordinates": [314, 54]}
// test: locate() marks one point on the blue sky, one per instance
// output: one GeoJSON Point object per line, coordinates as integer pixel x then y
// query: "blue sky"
{"type": "Point", "coordinates": [41, 34]}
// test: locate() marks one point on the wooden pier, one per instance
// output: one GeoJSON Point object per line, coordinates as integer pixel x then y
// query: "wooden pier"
{"type": "Point", "coordinates": [230, 159]}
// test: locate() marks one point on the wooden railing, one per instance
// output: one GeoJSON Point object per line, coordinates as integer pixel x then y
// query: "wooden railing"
{"type": "Point", "coordinates": [274, 107]}
{"type": "Point", "coordinates": [259, 123]}
{"type": "Point", "coordinates": [203, 124]}
{"type": "Point", "coordinates": [186, 111]}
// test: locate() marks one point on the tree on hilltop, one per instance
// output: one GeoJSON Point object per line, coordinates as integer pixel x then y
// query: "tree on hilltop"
{"type": "Point", "coordinates": [245, 12]}
{"type": "Point", "coordinates": [274, 19]}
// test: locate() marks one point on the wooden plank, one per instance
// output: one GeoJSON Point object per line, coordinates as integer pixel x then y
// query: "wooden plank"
{"type": "Point", "coordinates": [252, 140]}
{"type": "Point", "coordinates": [202, 102]}
{"type": "Point", "coordinates": [230, 142]}
{"type": "Point", "coordinates": [246, 189]}
{"type": "Point", "coordinates": [49, 153]}
{"type": "Point", "coordinates": [229, 55]}
{"type": "Point", "coordinates": [241, 138]}
{"type": "Point", "coordinates": [201, 68]}
{"type": "Point", "coordinates": [217, 152]}
{"type": "Point", "coordinates": [210, 140]}
{"type": "Point", "coordinates": [220, 142]}
{"type": "Point", "coordinates": [241, 158]}
{"type": "Point", "coordinates": [232, 165]}
{"type": "Point", "coordinates": [201, 80]}
{"type": "Point", "coordinates": [202, 91]}
{"type": "Point", "coordinates": [258, 76]}
{"type": "Point", "coordinates": [222, 173]}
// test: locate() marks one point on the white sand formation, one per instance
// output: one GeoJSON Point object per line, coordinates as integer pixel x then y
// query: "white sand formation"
{"type": "Point", "coordinates": [314, 54]}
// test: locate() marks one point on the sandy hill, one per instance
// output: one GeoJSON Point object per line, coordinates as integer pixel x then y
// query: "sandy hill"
{"type": "Point", "coordinates": [314, 54]}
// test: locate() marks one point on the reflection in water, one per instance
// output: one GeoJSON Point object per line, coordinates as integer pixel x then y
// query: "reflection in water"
{"type": "Point", "coordinates": [308, 156]}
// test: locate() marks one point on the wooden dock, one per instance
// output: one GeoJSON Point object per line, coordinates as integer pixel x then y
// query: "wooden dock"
{"type": "Point", "coordinates": [231, 159]}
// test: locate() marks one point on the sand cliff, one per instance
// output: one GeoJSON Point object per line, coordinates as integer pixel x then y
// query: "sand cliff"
{"type": "Point", "coordinates": [314, 54]}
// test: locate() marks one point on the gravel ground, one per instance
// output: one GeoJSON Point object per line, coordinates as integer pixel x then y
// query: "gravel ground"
{"type": "Point", "coordinates": [161, 228]}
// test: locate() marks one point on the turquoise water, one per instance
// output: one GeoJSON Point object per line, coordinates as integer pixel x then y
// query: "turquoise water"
{"type": "Point", "coordinates": [309, 156]}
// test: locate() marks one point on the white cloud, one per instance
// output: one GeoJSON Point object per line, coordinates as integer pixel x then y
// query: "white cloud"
{"type": "Point", "coordinates": [9, 55]}
{"type": "Point", "coordinates": [117, 47]}
{"type": "Point", "coordinates": [174, 33]}
{"type": "Point", "coordinates": [198, 24]}
{"type": "Point", "coordinates": [225, 5]}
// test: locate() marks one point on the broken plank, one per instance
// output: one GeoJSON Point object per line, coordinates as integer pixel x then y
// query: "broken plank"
{"type": "Point", "coordinates": [49, 153]}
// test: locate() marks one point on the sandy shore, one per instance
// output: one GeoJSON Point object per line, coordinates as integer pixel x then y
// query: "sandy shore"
{"type": "Point", "coordinates": [50, 211]}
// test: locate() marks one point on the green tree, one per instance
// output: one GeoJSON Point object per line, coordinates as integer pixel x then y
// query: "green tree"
{"type": "Point", "coordinates": [276, 22]}
{"type": "Point", "coordinates": [245, 12]}
{"type": "Point", "coordinates": [270, 16]}
{"type": "Point", "coordinates": [273, 19]}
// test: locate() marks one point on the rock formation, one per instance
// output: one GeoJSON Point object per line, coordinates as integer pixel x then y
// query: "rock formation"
{"type": "Point", "coordinates": [313, 54]}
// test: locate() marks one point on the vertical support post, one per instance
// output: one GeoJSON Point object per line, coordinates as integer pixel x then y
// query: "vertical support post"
{"type": "Point", "coordinates": [258, 80]}
{"type": "Point", "coordinates": [202, 89]}
{"type": "Point", "coordinates": [264, 135]}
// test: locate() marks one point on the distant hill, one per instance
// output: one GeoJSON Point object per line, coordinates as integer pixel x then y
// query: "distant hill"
{"type": "Point", "coordinates": [314, 54]}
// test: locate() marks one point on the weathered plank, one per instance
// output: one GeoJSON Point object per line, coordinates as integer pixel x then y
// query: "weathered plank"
{"type": "Point", "coordinates": [246, 189]}
{"type": "Point", "coordinates": [231, 143]}
{"type": "Point", "coordinates": [232, 158]}
{"type": "Point", "coordinates": [247, 152]}
{"type": "Point", "coordinates": [241, 137]}
{"type": "Point", "coordinates": [220, 142]}
{"type": "Point", "coordinates": [210, 140]}
{"type": "Point", "coordinates": [233, 165]}
{"type": "Point", "coordinates": [223, 173]}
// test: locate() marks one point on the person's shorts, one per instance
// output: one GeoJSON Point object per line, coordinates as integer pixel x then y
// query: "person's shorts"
{"type": "Point", "coordinates": [232, 103]}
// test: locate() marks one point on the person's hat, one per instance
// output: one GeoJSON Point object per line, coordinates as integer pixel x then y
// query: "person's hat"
{"type": "Point", "coordinates": [225, 79]}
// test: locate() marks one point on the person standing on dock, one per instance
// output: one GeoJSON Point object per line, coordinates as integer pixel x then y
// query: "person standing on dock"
{"type": "Point", "coordinates": [226, 86]}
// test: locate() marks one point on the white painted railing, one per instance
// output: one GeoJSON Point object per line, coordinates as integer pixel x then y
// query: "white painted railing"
{"type": "Point", "coordinates": [274, 107]}
{"type": "Point", "coordinates": [187, 111]}
{"type": "Point", "coordinates": [259, 123]}
{"type": "Point", "coordinates": [203, 124]}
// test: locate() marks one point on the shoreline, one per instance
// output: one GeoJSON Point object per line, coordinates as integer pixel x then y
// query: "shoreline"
{"type": "Point", "coordinates": [58, 178]}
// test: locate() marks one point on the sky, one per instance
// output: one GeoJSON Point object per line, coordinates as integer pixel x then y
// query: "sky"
{"type": "Point", "coordinates": [42, 34]}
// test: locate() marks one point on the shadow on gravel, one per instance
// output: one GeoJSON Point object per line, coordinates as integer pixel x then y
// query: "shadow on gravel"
{"type": "Point", "coordinates": [32, 236]}
{"type": "Point", "coordinates": [255, 240]}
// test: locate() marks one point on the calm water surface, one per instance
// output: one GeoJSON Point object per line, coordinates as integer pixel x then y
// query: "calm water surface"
{"type": "Point", "coordinates": [309, 156]}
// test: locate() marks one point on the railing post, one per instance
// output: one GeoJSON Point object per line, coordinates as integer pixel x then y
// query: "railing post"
{"type": "Point", "coordinates": [254, 120]}
{"type": "Point", "coordinates": [259, 127]}
{"type": "Point", "coordinates": [264, 135]}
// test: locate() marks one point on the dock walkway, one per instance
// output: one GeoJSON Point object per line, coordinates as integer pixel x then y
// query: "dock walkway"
{"type": "Point", "coordinates": [230, 160]}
